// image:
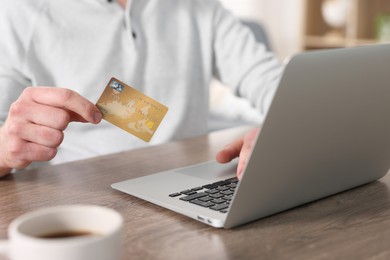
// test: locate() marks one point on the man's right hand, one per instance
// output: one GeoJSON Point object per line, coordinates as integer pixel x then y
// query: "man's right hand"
{"type": "Point", "coordinates": [35, 124]}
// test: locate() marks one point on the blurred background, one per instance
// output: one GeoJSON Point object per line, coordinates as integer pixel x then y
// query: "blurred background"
{"type": "Point", "coordinates": [299, 25]}
{"type": "Point", "coordinates": [293, 26]}
{"type": "Point", "coordinates": [282, 20]}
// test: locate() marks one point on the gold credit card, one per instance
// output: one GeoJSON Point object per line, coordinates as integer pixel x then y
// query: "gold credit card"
{"type": "Point", "coordinates": [131, 110]}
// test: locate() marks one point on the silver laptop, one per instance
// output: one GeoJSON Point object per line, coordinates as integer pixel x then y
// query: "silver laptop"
{"type": "Point", "coordinates": [327, 130]}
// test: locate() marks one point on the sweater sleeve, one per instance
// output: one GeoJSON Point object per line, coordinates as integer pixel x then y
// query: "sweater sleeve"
{"type": "Point", "coordinates": [242, 63]}
{"type": "Point", "coordinates": [15, 29]}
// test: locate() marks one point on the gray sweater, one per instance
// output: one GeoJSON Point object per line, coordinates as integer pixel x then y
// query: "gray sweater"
{"type": "Point", "coordinates": [167, 49]}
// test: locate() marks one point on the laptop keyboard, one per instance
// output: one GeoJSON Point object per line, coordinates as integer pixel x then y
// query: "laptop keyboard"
{"type": "Point", "coordinates": [215, 196]}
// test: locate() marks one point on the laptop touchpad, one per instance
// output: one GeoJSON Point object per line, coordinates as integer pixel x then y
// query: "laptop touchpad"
{"type": "Point", "coordinates": [211, 170]}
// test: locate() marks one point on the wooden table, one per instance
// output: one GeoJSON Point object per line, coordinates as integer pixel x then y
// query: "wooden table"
{"type": "Point", "coordinates": [351, 225]}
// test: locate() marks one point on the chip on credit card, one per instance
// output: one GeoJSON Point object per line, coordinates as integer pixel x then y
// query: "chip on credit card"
{"type": "Point", "coordinates": [131, 110]}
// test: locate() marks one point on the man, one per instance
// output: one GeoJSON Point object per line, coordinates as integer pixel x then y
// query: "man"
{"type": "Point", "coordinates": [167, 49]}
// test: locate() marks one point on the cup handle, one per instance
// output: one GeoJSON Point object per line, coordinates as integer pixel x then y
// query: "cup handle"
{"type": "Point", "coordinates": [4, 249]}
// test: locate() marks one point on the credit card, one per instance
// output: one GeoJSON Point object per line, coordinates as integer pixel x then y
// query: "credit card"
{"type": "Point", "coordinates": [131, 110]}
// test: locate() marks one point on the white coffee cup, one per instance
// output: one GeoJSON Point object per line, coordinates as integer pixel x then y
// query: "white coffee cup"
{"type": "Point", "coordinates": [70, 232]}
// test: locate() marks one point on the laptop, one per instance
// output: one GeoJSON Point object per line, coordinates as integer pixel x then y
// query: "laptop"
{"type": "Point", "coordinates": [327, 131]}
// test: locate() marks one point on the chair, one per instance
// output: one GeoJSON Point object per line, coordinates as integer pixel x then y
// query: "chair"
{"type": "Point", "coordinates": [259, 32]}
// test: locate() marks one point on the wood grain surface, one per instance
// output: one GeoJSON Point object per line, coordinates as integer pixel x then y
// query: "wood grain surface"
{"type": "Point", "coordinates": [351, 225]}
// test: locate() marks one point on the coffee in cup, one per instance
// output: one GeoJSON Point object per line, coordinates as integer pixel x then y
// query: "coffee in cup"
{"type": "Point", "coordinates": [71, 232]}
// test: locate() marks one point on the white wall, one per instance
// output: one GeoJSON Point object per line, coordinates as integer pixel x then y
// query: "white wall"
{"type": "Point", "coordinates": [282, 19]}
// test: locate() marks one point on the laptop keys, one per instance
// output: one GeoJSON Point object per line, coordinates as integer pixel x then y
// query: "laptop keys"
{"type": "Point", "coordinates": [219, 207]}
{"type": "Point", "coordinates": [188, 192]}
{"type": "Point", "coordinates": [193, 196]}
{"type": "Point", "coordinates": [175, 194]}
{"type": "Point", "coordinates": [205, 204]}
{"type": "Point", "coordinates": [216, 196]}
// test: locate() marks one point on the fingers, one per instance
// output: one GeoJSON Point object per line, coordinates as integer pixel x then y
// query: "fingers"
{"type": "Point", "coordinates": [41, 135]}
{"type": "Point", "coordinates": [21, 153]}
{"type": "Point", "coordinates": [230, 151]}
{"type": "Point", "coordinates": [241, 148]}
{"type": "Point", "coordinates": [18, 147]}
{"type": "Point", "coordinates": [246, 150]}
{"type": "Point", "coordinates": [23, 112]}
{"type": "Point", "coordinates": [80, 109]}
{"type": "Point", "coordinates": [36, 121]}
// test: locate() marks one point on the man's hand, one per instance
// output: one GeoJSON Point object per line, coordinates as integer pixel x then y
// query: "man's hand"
{"type": "Point", "coordinates": [241, 148]}
{"type": "Point", "coordinates": [35, 124]}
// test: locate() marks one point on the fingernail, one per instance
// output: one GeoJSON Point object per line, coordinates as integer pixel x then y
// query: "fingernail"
{"type": "Point", "coordinates": [228, 148]}
{"type": "Point", "coordinates": [97, 116]}
{"type": "Point", "coordinates": [239, 171]}
{"type": "Point", "coordinates": [239, 175]}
